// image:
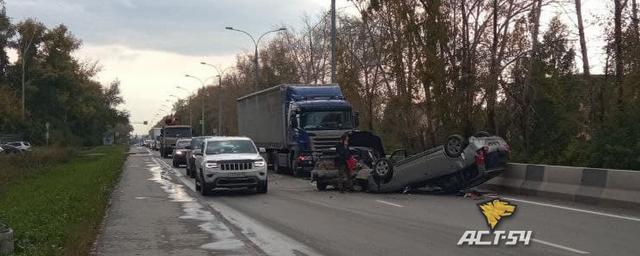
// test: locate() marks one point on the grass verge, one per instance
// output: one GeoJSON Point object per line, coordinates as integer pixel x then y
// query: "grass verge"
{"type": "Point", "coordinates": [58, 209]}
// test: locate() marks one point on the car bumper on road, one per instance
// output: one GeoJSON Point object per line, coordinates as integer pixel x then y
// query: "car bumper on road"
{"type": "Point", "coordinates": [236, 179]}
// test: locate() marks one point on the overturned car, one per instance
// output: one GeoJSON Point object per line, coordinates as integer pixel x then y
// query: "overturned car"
{"type": "Point", "coordinates": [460, 163]}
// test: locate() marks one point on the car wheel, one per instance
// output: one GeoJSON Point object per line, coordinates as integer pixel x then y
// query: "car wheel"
{"type": "Point", "coordinates": [321, 185]}
{"type": "Point", "coordinates": [175, 164]}
{"type": "Point", "coordinates": [383, 169]}
{"type": "Point", "coordinates": [198, 184]}
{"type": "Point", "coordinates": [455, 146]}
{"type": "Point", "coordinates": [263, 188]}
{"type": "Point", "coordinates": [205, 189]}
{"type": "Point", "coordinates": [192, 173]}
{"type": "Point", "coordinates": [481, 134]}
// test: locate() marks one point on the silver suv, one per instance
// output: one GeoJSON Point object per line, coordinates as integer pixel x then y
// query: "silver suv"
{"type": "Point", "coordinates": [230, 163]}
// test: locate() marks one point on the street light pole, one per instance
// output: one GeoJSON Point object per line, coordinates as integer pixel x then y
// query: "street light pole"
{"type": "Point", "coordinates": [256, 43]}
{"type": "Point", "coordinates": [203, 101]}
{"type": "Point", "coordinates": [220, 74]}
{"type": "Point", "coordinates": [189, 103]}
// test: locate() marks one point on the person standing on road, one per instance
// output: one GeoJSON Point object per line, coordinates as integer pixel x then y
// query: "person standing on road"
{"type": "Point", "coordinates": [342, 155]}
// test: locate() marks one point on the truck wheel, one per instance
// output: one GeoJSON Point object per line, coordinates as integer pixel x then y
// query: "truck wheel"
{"type": "Point", "coordinates": [263, 188]}
{"type": "Point", "coordinates": [455, 146]}
{"type": "Point", "coordinates": [276, 166]}
{"type": "Point", "coordinates": [383, 169]}
{"type": "Point", "coordinates": [321, 185]}
{"type": "Point", "coordinates": [297, 172]}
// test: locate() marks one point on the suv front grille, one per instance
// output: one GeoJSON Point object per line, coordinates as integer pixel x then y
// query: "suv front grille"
{"type": "Point", "coordinates": [236, 166]}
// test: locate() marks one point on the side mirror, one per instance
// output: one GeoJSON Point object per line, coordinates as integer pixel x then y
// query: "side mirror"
{"type": "Point", "coordinates": [262, 150]}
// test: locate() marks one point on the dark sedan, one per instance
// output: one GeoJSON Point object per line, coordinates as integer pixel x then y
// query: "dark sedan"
{"type": "Point", "coordinates": [180, 152]}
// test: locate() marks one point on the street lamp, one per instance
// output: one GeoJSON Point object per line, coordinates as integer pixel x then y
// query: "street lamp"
{"type": "Point", "coordinates": [189, 103]}
{"type": "Point", "coordinates": [203, 100]}
{"type": "Point", "coordinates": [220, 74]}
{"type": "Point", "coordinates": [255, 44]}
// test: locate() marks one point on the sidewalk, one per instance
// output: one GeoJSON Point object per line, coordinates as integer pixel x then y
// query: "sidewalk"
{"type": "Point", "coordinates": [150, 214]}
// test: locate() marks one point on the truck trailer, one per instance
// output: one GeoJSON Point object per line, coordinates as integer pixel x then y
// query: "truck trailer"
{"type": "Point", "coordinates": [154, 136]}
{"type": "Point", "coordinates": [293, 122]}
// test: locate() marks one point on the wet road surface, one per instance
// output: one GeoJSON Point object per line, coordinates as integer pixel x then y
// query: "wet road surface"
{"type": "Point", "coordinates": [295, 219]}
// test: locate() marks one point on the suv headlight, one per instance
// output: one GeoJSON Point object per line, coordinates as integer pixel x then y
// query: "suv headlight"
{"type": "Point", "coordinates": [259, 163]}
{"type": "Point", "coordinates": [211, 165]}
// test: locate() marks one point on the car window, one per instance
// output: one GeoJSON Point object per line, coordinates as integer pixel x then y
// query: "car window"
{"type": "Point", "coordinates": [183, 144]}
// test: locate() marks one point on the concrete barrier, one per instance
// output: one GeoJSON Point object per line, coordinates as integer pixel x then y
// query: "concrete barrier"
{"type": "Point", "coordinates": [6, 241]}
{"type": "Point", "coordinates": [579, 184]}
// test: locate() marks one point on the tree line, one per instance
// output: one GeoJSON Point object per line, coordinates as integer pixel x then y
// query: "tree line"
{"type": "Point", "coordinates": [420, 70]}
{"type": "Point", "coordinates": [58, 88]}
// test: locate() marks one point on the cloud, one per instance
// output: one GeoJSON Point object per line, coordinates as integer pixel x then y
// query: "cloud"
{"type": "Point", "coordinates": [194, 27]}
{"type": "Point", "coordinates": [148, 76]}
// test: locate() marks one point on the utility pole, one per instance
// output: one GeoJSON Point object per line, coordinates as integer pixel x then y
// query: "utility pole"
{"type": "Point", "coordinates": [333, 42]}
{"type": "Point", "coordinates": [204, 91]}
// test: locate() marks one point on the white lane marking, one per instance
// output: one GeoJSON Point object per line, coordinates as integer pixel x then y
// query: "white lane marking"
{"type": "Point", "coordinates": [575, 209]}
{"type": "Point", "coordinates": [269, 240]}
{"type": "Point", "coordinates": [388, 203]}
{"type": "Point", "coordinates": [559, 246]}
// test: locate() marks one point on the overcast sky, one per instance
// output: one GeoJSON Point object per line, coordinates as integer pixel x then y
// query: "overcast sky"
{"type": "Point", "coordinates": [150, 44]}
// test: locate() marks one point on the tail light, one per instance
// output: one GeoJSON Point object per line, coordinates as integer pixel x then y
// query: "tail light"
{"type": "Point", "coordinates": [481, 157]}
{"type": "Point", "coordinates": [304, 158]}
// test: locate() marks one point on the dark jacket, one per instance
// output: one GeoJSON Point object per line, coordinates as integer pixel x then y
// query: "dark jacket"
{"type": "Point", "coordinates": [342, 154]}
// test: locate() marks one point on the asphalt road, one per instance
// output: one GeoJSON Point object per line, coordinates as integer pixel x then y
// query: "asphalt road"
{"type": "Point", "coordinates": [295, 219]}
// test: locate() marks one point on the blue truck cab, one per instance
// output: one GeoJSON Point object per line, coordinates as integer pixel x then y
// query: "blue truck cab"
{"type": "Point", "coordinates": [291, 122]}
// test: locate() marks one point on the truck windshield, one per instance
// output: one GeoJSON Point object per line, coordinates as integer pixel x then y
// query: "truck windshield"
{"type": "Point", "coordinates": [177, 132]}
{"type": "Point", "coordinates": [231, 147]}
{"type": "Point", "coordinates": [326, 120]}
{"type": "Point", "coordinates": [183, 143]}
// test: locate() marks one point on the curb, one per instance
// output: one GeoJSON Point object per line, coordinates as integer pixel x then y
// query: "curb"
{"type": "Point", "coordinates": [620, 188]}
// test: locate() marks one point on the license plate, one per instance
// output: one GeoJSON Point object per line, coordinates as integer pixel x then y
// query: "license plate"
{"type": "Point", "coordinates": [236, 174]}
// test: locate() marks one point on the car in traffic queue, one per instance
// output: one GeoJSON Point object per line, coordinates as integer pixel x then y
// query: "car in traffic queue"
{"type": "Point", "coordinates": [459, 164]}
{"type": "Point", "coordinates": [195, 146]}
{"type": "Point", "coordinates": [20, 145]}
{"type": "Point", "coordinates": [230, 163]}
{"type": "Point", "coordinates": [180, 151]}
{"type": "Point", "coordinates": [9, 149]}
